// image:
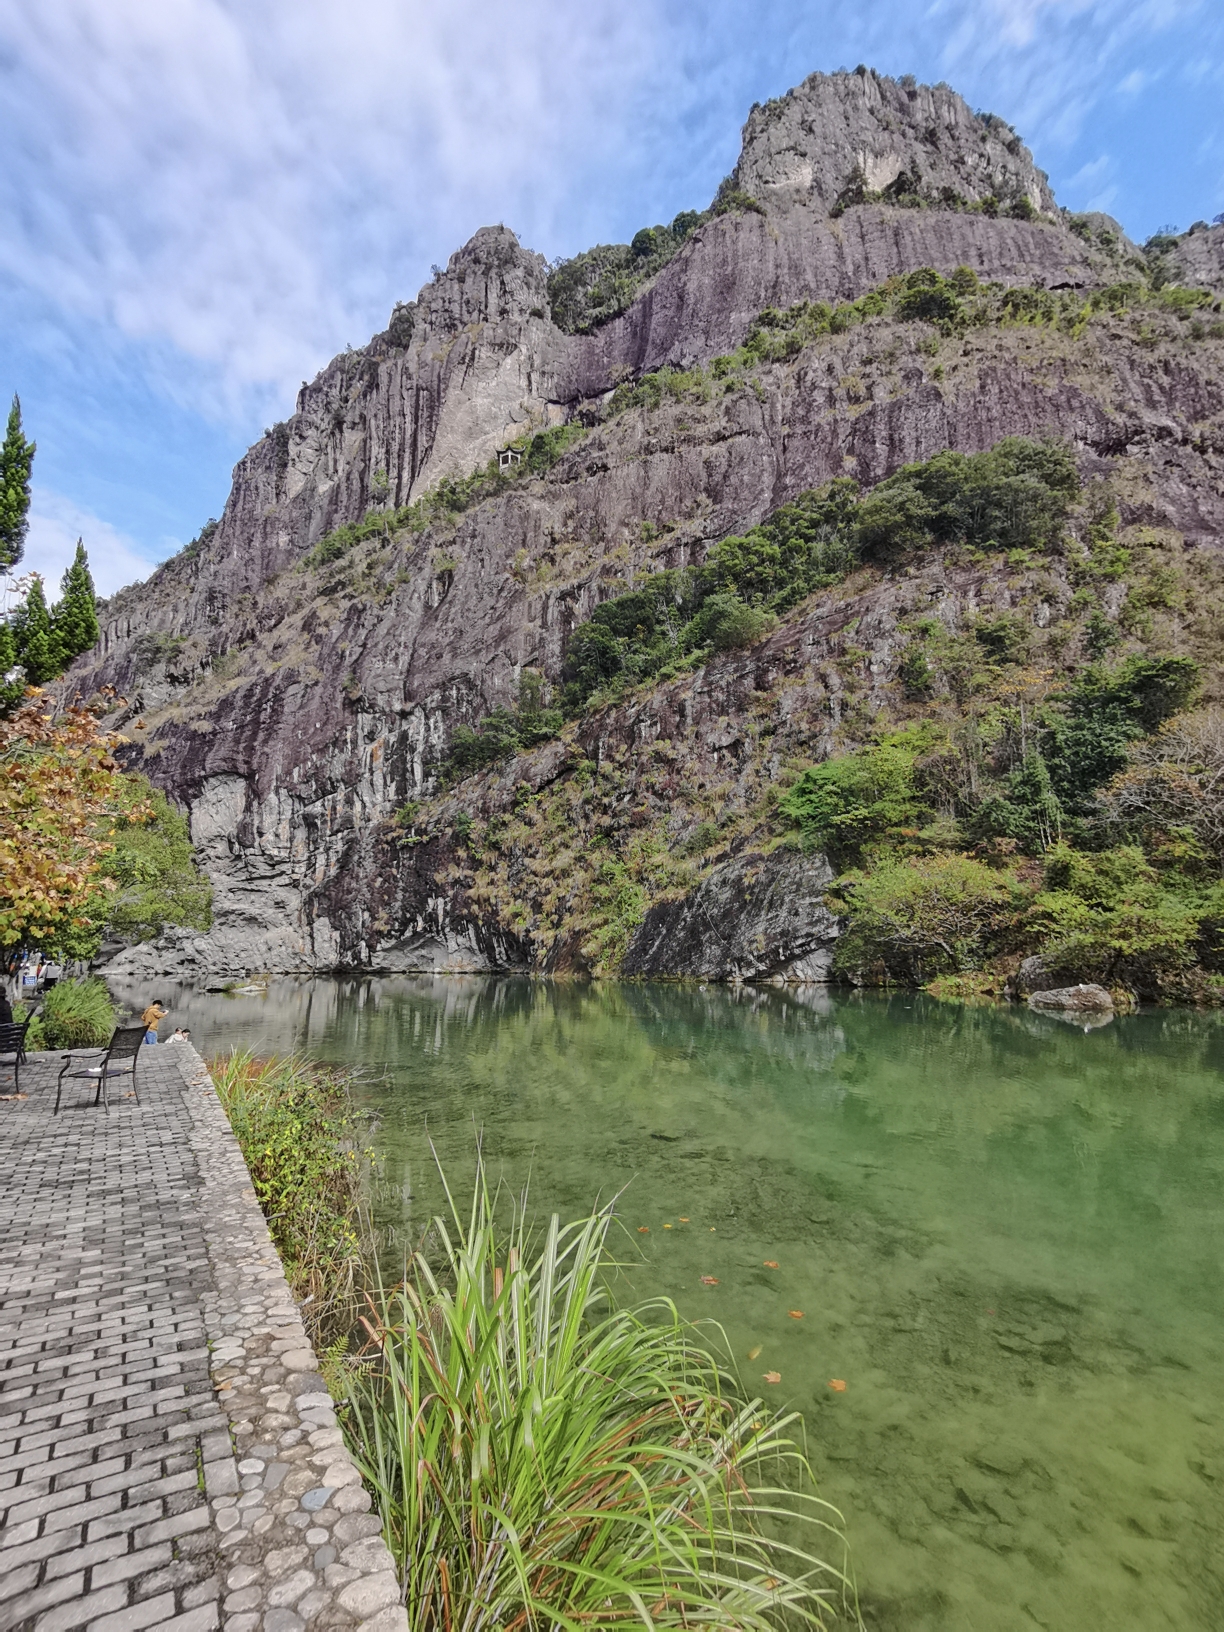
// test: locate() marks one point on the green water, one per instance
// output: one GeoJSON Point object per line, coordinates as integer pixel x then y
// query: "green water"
{"type": "Point", "coordinates": [1003, 1234]}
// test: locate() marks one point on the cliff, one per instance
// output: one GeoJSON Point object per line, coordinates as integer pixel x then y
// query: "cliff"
{"type": "Point", "coordinates": [294, 698]}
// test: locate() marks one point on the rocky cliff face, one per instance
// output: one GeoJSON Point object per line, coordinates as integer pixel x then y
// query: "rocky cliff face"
{"type": "Point", "coordinates": [837, 133]}
{"type": "Point", "coordinates": [294, 708]}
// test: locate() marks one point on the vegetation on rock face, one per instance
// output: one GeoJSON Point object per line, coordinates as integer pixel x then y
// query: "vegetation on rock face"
{"type": "Point", "coordinates": [153, 866]}
{"type": "Point", "coordinates": [590, 289]}
{"type": "Point", "coordinates": [542, 1456]}
{"type": "Point", "coordinates": [1018, 495]}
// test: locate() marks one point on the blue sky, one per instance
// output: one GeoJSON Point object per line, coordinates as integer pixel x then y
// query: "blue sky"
{"type": "Point", "coordinates": [204, 200]}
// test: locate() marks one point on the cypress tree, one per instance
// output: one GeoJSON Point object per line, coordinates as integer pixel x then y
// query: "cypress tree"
{"type": "Point", "coordinates": [16, 461]}
{"type": "Point", "coordinates": [11, 691]}
{"type": "Point", "coordinates": [75, 619]}
{"type": "Point", "coordinates": [38, 649]}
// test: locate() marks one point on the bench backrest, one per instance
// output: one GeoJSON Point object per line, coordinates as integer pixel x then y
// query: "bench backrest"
{"type": "Point", "coordinates": [128, 1040]}
{"type": "Point", "coordinates": [12, 1037]}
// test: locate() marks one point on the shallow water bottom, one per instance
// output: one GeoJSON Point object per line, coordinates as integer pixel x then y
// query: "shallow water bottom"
{"type": "Point", "coordinates": [1002, 1234]}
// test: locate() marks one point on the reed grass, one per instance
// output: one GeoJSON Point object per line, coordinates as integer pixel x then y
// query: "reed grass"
{"type": "Point", "coordinates": [303, 1142]}
{"type": "Point", "coordinates": [543, 1458]}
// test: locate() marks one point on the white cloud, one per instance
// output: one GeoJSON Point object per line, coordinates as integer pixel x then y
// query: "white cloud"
{"type": "Point", "coordinates": [229, 193]}
{"type": "Point", "coordinates": [253, 184]}
{"type": "Point", "coordinates": [55, 525]}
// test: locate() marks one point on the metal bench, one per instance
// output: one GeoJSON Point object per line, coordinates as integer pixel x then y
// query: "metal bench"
{"type": "Point", "coordinates": [125, 1045]}
{"type": "Point", "coordinates": [12, 1041]}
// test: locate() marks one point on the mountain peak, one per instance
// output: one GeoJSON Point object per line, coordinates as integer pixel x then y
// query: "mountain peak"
{"type": "Point", "coordinates": [841, 138]}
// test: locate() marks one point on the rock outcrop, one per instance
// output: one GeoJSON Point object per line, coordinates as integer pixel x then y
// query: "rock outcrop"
{"type": "Point", "coordinates": [757, 918]}
{"type": "Point", "coordinates": [838, 134]}
{"type": "Point", "coordinates": [294, 708]}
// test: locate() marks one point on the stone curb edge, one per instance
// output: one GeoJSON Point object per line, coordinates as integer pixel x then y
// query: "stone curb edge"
{"type": "Point", "coordinates": [301, 1547]}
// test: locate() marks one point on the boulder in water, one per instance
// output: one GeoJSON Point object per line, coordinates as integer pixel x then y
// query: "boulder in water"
{"type": "Point", "coordinates": [1083, 999]}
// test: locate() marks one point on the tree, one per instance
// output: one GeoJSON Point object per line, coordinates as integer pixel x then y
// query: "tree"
{"type": "Point", "coordinates": [75, 620]}
{"type": "Point", "coordinates": [16, 461]}
{"type": "Point", "coordinates": [38, 647]}
{"type": "Point", "coordinates": [59, 791]}
{"type": "Point", "coordinates": [11, 690]}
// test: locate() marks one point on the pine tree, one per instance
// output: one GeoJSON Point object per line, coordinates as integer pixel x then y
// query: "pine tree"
{"type": "Point", "coordinates": [38, 648]}
{"type": "Point", "coordinates": [75, 619]}
{"type": "Point", "coordinates": [16, 461]}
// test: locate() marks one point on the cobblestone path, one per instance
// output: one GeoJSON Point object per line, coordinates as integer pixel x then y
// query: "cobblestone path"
{"type": "Point", "coordinates": [148, 1341]}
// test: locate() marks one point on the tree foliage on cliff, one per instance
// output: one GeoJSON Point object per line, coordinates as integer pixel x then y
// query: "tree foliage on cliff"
{"type": "Point", "coordinates": [1016, 494]}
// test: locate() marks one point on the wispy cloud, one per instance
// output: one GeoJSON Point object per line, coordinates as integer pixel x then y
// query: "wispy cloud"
{"type": "Point", "coordinates": [209, 199]}
{"type": "Point", "coordinates": [55, 525]}
{"type": "Point", "coordinates": [245, 182]}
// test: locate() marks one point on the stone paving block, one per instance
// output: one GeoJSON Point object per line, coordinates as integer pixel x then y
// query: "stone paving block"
{"type": "Point", "coordinates": [139, 1244]}
{"type": "Point", "coordinates": [80, 1611]}
{"type": "Point", "coordinates": [152, 1612]}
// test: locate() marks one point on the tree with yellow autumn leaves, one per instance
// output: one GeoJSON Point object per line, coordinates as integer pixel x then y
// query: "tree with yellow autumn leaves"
{"type": "Point", "coordinates": [81, 839]}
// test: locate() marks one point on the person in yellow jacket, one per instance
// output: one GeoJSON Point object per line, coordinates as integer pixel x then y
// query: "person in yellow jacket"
{"type": "Point", "coordinates": [149, 1019]}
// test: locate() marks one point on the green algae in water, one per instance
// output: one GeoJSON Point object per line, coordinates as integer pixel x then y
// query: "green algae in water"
{"type": "Point", "coordinates": [1003, 1234]}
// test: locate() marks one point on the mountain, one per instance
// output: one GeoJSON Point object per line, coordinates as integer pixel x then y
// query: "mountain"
{"type": "Point", "coordinates": [885, 275]}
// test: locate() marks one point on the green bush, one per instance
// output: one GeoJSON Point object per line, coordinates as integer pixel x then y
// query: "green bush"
{"type": "Point", "coordinates": [78, 1014]}
{"type": "Point", "coordinates": [929, 298]}
{"type": "Point", "coordinates": [856, 799]}
{"type": "Point", "coordinates": [300, 1137]}
{"type": "Point", "coordinates": [154, 865]}
{"type": "Point", "coordinates": [914, 917]}
{"type": "Point", "coordinates": [504, 732]}
{"type": "Point", "coordinates": [1016, 495]}
{"type": "Point", "coordinates": [1109, 918]}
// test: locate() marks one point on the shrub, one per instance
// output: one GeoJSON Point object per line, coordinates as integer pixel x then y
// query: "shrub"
{"type": "Point", "coordinates": [1105, 712]}
{"type": "Point", "coordinates": [1108, 918]}
{"type": "Point", "coordinates": [725, 622]}
{"type": "Point", "coordinates": [542, 1457]}
{"type": "Point", "coordinates": [929, 298]}
{"type": "Point", "coordinates": [1016, 495]}
{"type": "Point", "coordinates": [78, 1014]}
{"type": "Point", "coordinates": [154, 866]}
{"type": "Point", "coordinates": [504, 732]}
{"type": "Point", "coordinates": [919, 916]}
{"type": "Point", "coordinates": [848, 802]}
{"type": "Point", "coordinates": [1171, 792]}
{"type": "Point", "coordinates": [300, 1137]}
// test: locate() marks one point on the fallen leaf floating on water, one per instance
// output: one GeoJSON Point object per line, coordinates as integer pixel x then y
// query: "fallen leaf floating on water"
{"type": "Point", "coordinates": [709, 1280]}
{"type": "Point", "coordinates": [643, 1229]}
{"type": "Point", "coordinates": [772, 1376]}
{"type": "Point", "coordinates": [770, 1263]}
{"type": "Point", "coordinates": [753, 1352]}
{"type": "Point", "coordinates": [795, 1314]}
{"type": "Point", "coordinates": [684, 1221]}
{"type": "Point", "coordinates": [667, 1226]}
{"type": "Point", "coordinates": [711, 1229]}
{"type": "Point", "coordinates": [837, 1384]}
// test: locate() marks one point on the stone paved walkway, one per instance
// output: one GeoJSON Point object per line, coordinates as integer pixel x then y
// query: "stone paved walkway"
{"type": "Point", "coordinates": [168, 1451]}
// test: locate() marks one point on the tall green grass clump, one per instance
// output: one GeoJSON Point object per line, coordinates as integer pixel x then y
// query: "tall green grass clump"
{"type": "Point", "coordinates": [544, 1459]}
{"type": "Point", "coordinates": [77, 1014]}
{"type": "Point", "coordinates": [302, 1142]}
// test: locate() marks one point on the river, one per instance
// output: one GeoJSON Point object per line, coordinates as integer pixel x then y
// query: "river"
{"type": "Point", "coordinates": [1003, 1234]}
